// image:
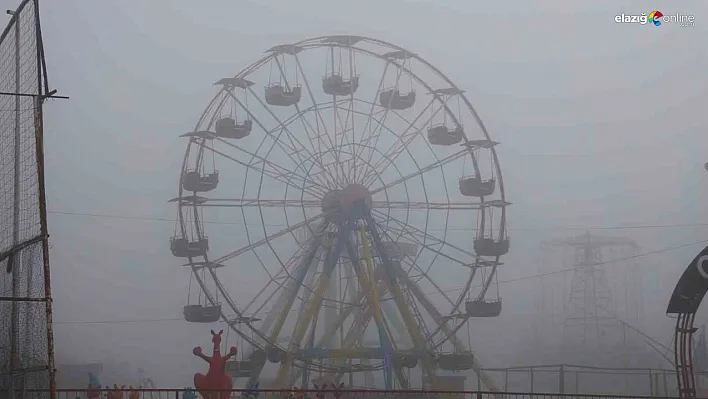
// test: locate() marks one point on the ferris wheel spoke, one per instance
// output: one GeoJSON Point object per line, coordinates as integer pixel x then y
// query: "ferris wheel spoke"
{"type": "Point", "coordinates": [337, 121]}
{"type": "Point", "coordinates": [298, 147]}
{"type": "Point", "coordinates": [214, 301]}
{"type": "Point", "coordinates": [334, 175]}
{"type": "Point", "coordinates": [283, 274]}
{"type": "Point", "coordinates": [427, 205]}
{"type": "Point", "coordinates": [280, 304]}
{"type": "Point", "coordinates": [306, 263]}
{"type": "Point", "coordinates": [258, 203]}
{"type": "Point", "coordinates": [271, 237]}
{"type": "Point", "coordinates": [289, 150]}
{"type": "Point", "coordinates": [414, 231]}
{"type": "Point", "coordinates": [320, 121]}
{"type": "Point", "coordinates": [488, 282]}
{"type": "Point", "coordinates": [271, 169]}
{"type": "Point", "coordinates": [413, 263]}
{"type": "Point", "coordinates": [433, 312]}
{"type": "Point", "coordinates": [402, 142]}
{"type": "Point", "coordinates": [374, 105]}
{"type": "Point", "coordinates": [369, 128]}
{"type": "Point", "coordinates": [284, 177]}
{"type": "Point", "coordinates": [328, 145]}
{"type": "Point", "coordinates": [423, 170]}
{"type": "Point", "coordinates": [318, 115]}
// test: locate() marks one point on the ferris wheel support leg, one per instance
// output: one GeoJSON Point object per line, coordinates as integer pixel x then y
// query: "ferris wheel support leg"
{"type": "Point", "coordinates": [382, 326]}
{"type": "Point", "coordinates": [282, 299]}
{"type": "Point", "coordinates": [302, 273]}
{"type": "Point", "coordinates": [406, 313]}
{"type": "Point", "coordinates": [300, 330]}
{"type": "Point", "coordinates": [373, 288]}
{"type": "Point", "coordinates": [436, 315]}
{"type": "Point", "coordinates": [367, 284]}
{"type": "Point", "coordinates": [355, 304]}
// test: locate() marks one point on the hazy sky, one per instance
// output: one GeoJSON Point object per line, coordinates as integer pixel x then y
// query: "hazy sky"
{"type": "Point", "coordinates": [601, 124]}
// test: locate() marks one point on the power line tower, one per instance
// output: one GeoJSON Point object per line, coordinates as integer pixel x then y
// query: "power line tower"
{"type": "Point", "coordinates": [591, 321]}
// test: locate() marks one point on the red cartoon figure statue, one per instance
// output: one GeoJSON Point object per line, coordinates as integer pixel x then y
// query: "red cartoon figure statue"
{"type": "Point", "coordinates": [217, 383]}
{"type": "Point", "coordinates": [116, 393]}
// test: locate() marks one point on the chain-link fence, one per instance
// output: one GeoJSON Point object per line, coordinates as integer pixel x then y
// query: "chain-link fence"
{"type": "Point", "coordinates": [25, 333]}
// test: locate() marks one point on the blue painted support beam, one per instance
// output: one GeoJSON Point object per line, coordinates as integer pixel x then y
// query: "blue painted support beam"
{"type": "Point", "coordinates": [300, 278]}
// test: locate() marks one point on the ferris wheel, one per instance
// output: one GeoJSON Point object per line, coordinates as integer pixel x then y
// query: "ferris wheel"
{"type": "Point", "coordinates": [355, 222]}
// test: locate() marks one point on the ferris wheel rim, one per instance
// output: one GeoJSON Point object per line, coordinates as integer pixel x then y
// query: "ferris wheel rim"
{"type": "Point", "coordinates": [256, 65]}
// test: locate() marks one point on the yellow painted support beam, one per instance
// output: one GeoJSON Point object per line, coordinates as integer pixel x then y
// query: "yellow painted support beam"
{"type": "Point", "coordinates": [280, 321]}
{"type": "Point", "coordinates": [411, 325]}
{"type": "Point", "coordinates": [378, 314]}
{"type": "Point", "coordinates": [301, 326]}
{"type": "Point", "coordinates": [433, 311]}
{"type": "Point", "coordinates": [353, 335]}
{"type": "Point", "coordinates": [301, 329]}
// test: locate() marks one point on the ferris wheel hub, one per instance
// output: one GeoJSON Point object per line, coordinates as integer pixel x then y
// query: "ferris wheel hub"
{"type": "Point", "coordinates": [338, 205]}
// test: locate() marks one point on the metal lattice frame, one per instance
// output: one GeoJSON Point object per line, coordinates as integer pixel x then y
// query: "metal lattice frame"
{"type": "Point", "coordinates": [592, 311]}
{"type": "Point", "coordinates": [312, 158]}
{"type": "Point", "coordinates": [26, 338]}
{"type": "Point", "coordinates": [683, 354]}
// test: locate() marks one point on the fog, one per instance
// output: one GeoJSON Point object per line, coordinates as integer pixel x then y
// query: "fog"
{"type": "Point", "coordinates": [602, 127]}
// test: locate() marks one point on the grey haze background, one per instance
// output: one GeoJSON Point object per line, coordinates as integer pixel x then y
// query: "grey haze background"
{"type": "Point", "coordinates": [601, 125]}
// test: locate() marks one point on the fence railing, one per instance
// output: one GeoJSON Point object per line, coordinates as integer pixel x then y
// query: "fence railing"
{"type": "Point", "coordinates": [183, 393]}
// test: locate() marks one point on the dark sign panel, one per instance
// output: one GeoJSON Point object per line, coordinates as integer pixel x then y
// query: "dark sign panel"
{"type": "Point", "coordinates": [692, 286]}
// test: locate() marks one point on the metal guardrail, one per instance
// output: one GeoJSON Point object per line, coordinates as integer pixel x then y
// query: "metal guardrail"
{"type": "Point", "coordinates": [305, 394]}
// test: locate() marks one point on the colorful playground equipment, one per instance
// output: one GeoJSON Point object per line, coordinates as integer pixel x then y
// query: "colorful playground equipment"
{"type": "Point", "coordinates": [216, 379]}
{"type": "Point", "coordinates": [252, 391]}
{"type": "Point", "coordinates": [93, 390]}
{"type": "Point", "coordinates": [116, 392]}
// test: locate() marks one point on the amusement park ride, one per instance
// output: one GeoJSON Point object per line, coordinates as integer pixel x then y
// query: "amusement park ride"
{"type": "Point", "coordinates": [684, 303]}
{"type": "Point", "coordinates": [352, 187]}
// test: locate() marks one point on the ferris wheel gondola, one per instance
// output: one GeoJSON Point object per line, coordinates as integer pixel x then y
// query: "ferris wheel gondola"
{"type": "Point", "coordinates": [342, 192]}
{"type": "Point", "coordinates": [334, 83]}
{"type": "Point", "coordinates": [393, 97]}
